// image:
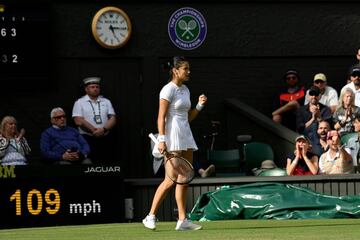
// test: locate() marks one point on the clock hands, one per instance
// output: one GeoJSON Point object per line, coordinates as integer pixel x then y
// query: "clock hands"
{"type": "Point", "coordinates": [113, 31]}
{"type": "Point", "coordinates": [112, 28]}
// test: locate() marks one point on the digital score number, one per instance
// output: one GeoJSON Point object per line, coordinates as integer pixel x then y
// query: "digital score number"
{"type": "Point", "coordinates": [35, 201]}
{"type": "Point", "coordinates": [9, 33]}
{"type": "Point", "coordinates": [24, 44]}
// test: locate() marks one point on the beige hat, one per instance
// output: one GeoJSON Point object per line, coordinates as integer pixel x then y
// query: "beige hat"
{"type": "Point", "coordinates": [91, 80]}
{"type": "Point", "coordinates": [268, 164]}
{"type": "Point", "coordinates": [302, 137]}
{"type": "Point", "coordinates": [320, 76]}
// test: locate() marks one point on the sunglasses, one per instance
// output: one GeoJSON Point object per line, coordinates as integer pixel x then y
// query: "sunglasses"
{"type": "Point", "coordinates": [355, 75]}
{"type": "Point", "coordinates": [314, 94]}
{"type": "Point", "coordinates": [59, 117]}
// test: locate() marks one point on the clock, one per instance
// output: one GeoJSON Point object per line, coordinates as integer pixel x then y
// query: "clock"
{"type": "Point", "coordinates": [111, 27]}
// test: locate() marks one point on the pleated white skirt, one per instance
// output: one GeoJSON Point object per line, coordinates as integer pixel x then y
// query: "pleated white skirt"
{"type": "Point", "coordinates": [178, 134]}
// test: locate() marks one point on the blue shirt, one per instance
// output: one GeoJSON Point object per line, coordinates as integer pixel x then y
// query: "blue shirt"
{"type": "Point", "coordinates": [54, 142]}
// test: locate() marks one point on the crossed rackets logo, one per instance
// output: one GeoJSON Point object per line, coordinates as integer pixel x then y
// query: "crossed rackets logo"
{"type": "Point", "coordinates": [187, 28]}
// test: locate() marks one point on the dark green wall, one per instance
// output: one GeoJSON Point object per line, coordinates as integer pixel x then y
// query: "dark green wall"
{"type": "Point", "coordinates": [248, 47]}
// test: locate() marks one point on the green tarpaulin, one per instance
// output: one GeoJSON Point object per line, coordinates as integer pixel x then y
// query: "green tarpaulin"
{"type": "Point", "coordinates": [272, 201]}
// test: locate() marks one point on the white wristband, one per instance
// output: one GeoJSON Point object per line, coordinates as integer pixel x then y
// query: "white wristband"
{"type": "Point", "coordinates": [161, 138]}
{"type": "Point", "coordinates": [199, 107]}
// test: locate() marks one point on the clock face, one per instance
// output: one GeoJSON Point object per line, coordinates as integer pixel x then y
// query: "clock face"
{"type": "Point", "coordinates": [111, 27]}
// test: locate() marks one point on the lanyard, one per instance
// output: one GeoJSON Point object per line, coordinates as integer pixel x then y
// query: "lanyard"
{"type": "Point", "coordinates": [93, 109]}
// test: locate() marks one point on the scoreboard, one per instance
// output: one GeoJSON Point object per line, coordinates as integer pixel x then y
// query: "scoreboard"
{"type": "Point", "coordinates": [25, 37]}
{"type": "Point", "coordinates": [60, 195]}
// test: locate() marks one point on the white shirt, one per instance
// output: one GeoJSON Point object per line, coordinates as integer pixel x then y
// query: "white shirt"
{"type": "Point", "coordinates": [325, 157]}
{"type": "Point", "coordinates": [177, 127]}
{"type": "Point", "coordinates": [328, 98]}
{"type": "Point", "coordinates": [87, 108]}
{"type": "Point", "coordinates": [356, 92]}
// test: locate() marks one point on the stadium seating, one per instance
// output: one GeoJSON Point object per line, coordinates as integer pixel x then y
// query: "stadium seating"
{"type": "Point", "coordinates": [227, 162]}
{"type": "Point", "coordinates": [255, 153]}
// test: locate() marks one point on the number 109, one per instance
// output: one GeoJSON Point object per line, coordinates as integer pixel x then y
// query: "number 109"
{"type": "Point", "coordinates": [52, 199]}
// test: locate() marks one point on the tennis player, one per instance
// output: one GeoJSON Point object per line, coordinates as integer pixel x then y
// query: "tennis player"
{"type": "Point", "coordinates": [176, 137]}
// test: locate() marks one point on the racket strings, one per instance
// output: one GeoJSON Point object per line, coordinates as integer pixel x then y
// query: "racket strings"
{"type": "Point", "coordinates": [179, 170]}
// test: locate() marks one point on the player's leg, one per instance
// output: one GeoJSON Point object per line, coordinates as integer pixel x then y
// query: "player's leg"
{"type": "Point", "coordinates": [181, 196]}
{"type": "Point", "coordinates": [160, 194]}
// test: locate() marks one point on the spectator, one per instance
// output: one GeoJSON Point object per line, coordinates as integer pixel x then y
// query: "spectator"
{"type": "Point", "coordinates": [95, 117]}
{"type": "Point", "coordinates": [319, 144]}
{"type": "Point", "coordinates": [61, 144]}
{"type": "Point", "coordinates": [329, 96]}
{"type": "Point", "coordinates": [309, 116]}
{"type": "Point", "coordinates": [354, 144]}
{"type": "Point", "coordinates": [337, 159]}
{"type": "Point", "coordinates": [356, 64]}
{"type": "Point", "coordinates": [265, 166]}
{"type": "Point", "coordinates": [302, 161]}
{"type": "Point", "coordinates": [208, 172]}
{"type": "Point", "coordinates": [290, 99]}
{"type": "Point", "coordinates": [14, 148]}
{"type": "Point", "coordinates": [354, 85]}
{"type": "Point", "coordinates": [346, 112]}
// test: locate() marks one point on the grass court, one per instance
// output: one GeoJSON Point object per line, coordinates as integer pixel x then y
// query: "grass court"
{"type": "Point", "coordinates": [220, 230]}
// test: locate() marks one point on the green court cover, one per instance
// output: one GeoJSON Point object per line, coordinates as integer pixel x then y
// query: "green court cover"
{"type": "Point", "coordinates": [272, 201]}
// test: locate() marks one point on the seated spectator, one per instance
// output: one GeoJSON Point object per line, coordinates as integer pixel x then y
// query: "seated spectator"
{"type": "Point", "coordinates": [302, 161]}
{"type": "Point", "coordinates": [329, 96]}
{"type": "Point", "coordinates": [265, 166]}
{"type": "Point", "coordinates": [13, 146]}
{"type": "Point", "coordinates": [345, 113]}
{"type": "Point", "coordinates": [354, 85]}
{"type": "Point", "coordinates": [354, 145]}
{"type": "Point", "coordinates": [319, 144]}
{"type": "Point", "coordinates": [309, 116]}
{"type": "Point", "coordinates": [289, 100]}
{"type": "Point", "coordinates": [337, 159]}
{"type": "Point", "coordinates": [61, 144]}
{"type": "Point", "coordinates": [208, 172]}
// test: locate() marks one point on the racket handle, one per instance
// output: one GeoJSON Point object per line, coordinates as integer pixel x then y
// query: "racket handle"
{"type": "Point", "coordinates": [153, 138]}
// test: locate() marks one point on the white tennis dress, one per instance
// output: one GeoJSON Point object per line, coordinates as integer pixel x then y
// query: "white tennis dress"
{"type": "Point", "coordinates": [177, 127]}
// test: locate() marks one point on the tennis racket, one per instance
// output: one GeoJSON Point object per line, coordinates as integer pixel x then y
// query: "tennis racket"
{"type": "Point", "coordinates": [177, 168]}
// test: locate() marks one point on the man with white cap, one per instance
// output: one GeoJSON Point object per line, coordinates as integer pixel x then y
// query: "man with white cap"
{"type": "Point", "coordinates": [329, 96]}
{"type": "Point", "coordinates": [354, 85]}
{"type": "Point", "coordinates": [95, 117]}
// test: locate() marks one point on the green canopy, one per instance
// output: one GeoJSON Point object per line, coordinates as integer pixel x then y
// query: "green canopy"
{"type": "Point", "coordinates": [272, 201]}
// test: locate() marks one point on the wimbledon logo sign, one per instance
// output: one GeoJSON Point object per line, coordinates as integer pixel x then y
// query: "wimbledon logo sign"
{"type": "Point", "coordinates": [187, 28]}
